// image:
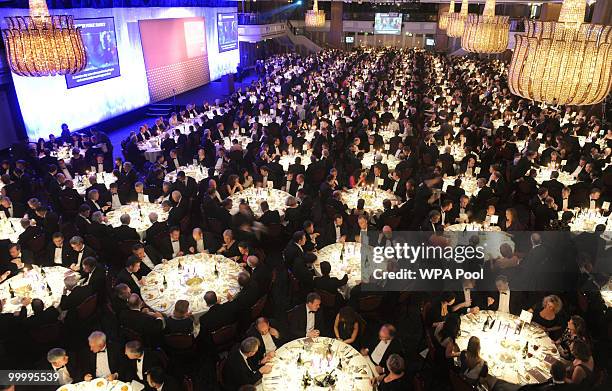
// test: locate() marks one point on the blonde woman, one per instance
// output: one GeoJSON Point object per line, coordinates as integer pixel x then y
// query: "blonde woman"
{"type": "Point", "coordinates": [548, 317]}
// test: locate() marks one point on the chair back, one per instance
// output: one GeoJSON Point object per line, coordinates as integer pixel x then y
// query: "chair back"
{"type": "Point", "coordinates": [222, 338]}
{"type": "Point", "coordinates": [187, 383]}
{"type": "Point", "coordinates": [38, 243]}
{"type": "Point", "coordinates": [87, 309]}
{"type": "Point", "coordinates": [418, 383]}
{"type": "Point", "coordinates": [69, 203]}
{"type": "Point", "coordinates": [257, 308]}
{"type": "Point", "coordinates": [130, 335]}
{"type": "Point", "coordinates": [219, 371]}
{"type": "Point", "coordinates": [458, 383]}
{"type": "Point", "coordinates": [327, 299]}
{"type": "Point", "coordinates": [125, 248]}
{"type": "Point", "coordinates": [47, 335]}
{"type": "Point", "coordinates": [370, 303]}
{"type": "Point", "coordinates": [215, 225]}
{"type": "Point", "coordinates": [179, 341]}
{"type": "Point", "coordinates": [93, 242]}
{"type": "Point", "coordinates": [293, 313]}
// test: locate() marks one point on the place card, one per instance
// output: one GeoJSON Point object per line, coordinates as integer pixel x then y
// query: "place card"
{"type": "Point", "coordinates": [563, 162]}
{"type": "Point", "coordinates": [494, 219]}
{"type": "Point", "coordinates": [526, 316]}
{"type": "Point", "coordinates": [477, 170]}
{"type": "Point", "coordinates": [605, 206]}
{"type": "Point", "coordinates": [380, 181]}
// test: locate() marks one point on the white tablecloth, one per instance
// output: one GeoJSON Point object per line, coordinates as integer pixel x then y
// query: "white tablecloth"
{"type": "Point", "coordinates": [35, 285]}
{"type": "Point", "coordinates": [502, 349]}
{"type": "Point", "coordinates": [190, 281]}
{"type": "Point", "coordinates": [10, 229]}
{"type": "Point", "coordinates": [97, 385]}
{"type": "Point", "coordinates": [139, 214]}
{"type": "Point", "coordinates": [349, 263]}
{"type": "Point", "coordinates": [81, 183]}
{"type": "Point", "coordinates": [468, 183]}
{"type": "Point", "coordinates": [319, 356]}
{"type": "Point", "coordinates": [196, 172]}
{"type": "Point", "coordinates": [277, 200]}
{"type": "Point", "coordinates": [373, 199]}
{"type": "Point", "coordinates": [369, 160]}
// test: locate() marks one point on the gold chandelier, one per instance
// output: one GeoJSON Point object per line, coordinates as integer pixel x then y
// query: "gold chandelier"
{"type": "Point", "coordinates": [443, 22]}
{"type": "Point", "coordinates": [568, 62]}
{"type": "Point", "coordinates": [315, 17]}
{"type": "Point", "coordinates": [456, 21]}
{"type": "Point", "coordinates": [486, 33]}
{"type": "Point", "coordinates": [43, 45]}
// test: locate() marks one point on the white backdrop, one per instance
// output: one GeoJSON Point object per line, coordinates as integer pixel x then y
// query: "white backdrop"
{"type": "Point", "coordinates": [46, 103]}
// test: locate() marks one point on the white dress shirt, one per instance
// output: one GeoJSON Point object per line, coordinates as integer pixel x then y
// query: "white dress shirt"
{"type": "Point", "coordinates": [268, 343]}
{"type": "Point", "coordinates": [176, 163]}
{"type": "Point", "coordinates": [57, 256]}
{"type": "Point", "coordinates": [310, 320]}
{"type": "Point", "coordinates": [504, 301]}
{"type": "Point", "coordinates": [63, 376]}
{"type": "Point", "coordinates": [577, 171]}
{"type": "Point", "coordinates": [102, 365]}
{"type": "Point", "coordinates": [565, 203]}
{"type": "Point", "coordinates": [139, 363]}
{"type": "Point", "coordinates": [141, 197]}
{"type": "Point", "coordinates": [115, 201]}
{"type": "Point", "coordinates": [135, 279]}
{"type": "Point", "coordinates": [200, 245]}
{"type": "Point", "coordinates": [176, 247]}
{"type": "Point", "coordinates": [379, 351]}
{"type": "Point", "coordinates": [246, 361]}
{"type": "Point", "coordinates": [79, 258]}
{"type": "Point", "coordinates": [338, 233]}
{"type": "Point", "coordinates": [147, 261]}
{"type": "Point", "coordinates": [100, 167]}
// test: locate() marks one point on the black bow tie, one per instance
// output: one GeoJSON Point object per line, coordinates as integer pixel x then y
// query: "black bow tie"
{"type": "Point", "coordinates": [139, 359]}
{"type": "Point", "coordinates": [312, 312]}
{"type": "Point", "coordinates": [504, 293]}
{"type": "Point", "coordinates": [59, 368]}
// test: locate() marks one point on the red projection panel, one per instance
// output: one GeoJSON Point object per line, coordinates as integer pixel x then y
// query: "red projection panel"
{"type": "Point", "coordinates": [175, 55]}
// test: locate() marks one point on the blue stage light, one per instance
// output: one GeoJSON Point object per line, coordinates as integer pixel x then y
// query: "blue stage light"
{"type": "Point", "coordinates": [299, 2]}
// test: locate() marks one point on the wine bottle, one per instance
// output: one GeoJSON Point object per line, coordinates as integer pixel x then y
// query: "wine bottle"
{"type": "Point", "coordinates": [49, 289]}
{"type": "Point", "coordinates": [180, 265]}
{"type": "Point", "coordinates": [526, 349]}
{"type": "Point", "coordinates": [216, 270]}
{"type": "Point", "coordinates": [165, 283]}
{"type": "Point", "coordinates": [486, 324]}
{"type": "Point", "coordinates": [11, 291]}
{"type": "Point", "coordinates": [299, 360]}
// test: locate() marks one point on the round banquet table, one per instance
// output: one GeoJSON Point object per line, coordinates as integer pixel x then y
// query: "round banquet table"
{"type": "Point", "coordinates": [81, 184]}
{"type": "Point", "coordinates": [151, 149]}
{"type": "Point", "coordinates": [457, 151]}
{"type": "Point", "coordinates": [349, 263]}
{"type": "Point", "coordinates": [468, 183]}
{"type": "Point", "coordinates": [472, 227]}
{"type": "Point", "coordinates": [390, 160]}
{"type": "Point", "coordinates": [544, 173]}
{"type": "Point", "coordinates": [244, 141]}
{"type": "Point", "coordinates": [586, 220]}
{"type": "Point", "coordinates": [502, 349]}
{"type": "Point", "coordinates": [189, 281]}
{"type": "Point", "coordinates": [277, 200]}
{"type": "Point", "coordinates": [10, 229]}
{"type": "Point", "coordinates": [287, 160]}
{"type": "Point", "coordinates": [493, 237]}
{"type": "Point", "coordinates": [99, 384]}
{"type": "Point", "coordinates": [196, 172]}
{"type": "Point", "coordinates": [349, 369]}
{"type": "Point", "coordinates": [606, 293]}
{"type": "Point", "coordinates": [34, 284]}
{"type": "Point", "coordinates": [139, 214]}
{"type": "Point", "coordinates": [373, 199]}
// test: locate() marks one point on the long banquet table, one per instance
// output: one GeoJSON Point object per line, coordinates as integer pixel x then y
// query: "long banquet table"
{"type": "Point", "coordinates": [314, 364]}
{"type": "Point", "coordinates": [503, 348]}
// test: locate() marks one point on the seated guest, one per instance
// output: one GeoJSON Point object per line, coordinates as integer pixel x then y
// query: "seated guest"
{"type": "Point", "coordinates": [73, 296]}
{"type": "Point", "coordinates": [138, 194]}
{"type": "Point", "coordinates": [576, 330]}
{"type": "Point", "coordinates": [47, 220]}
{"type": "Point", "coordinates": [124, 232]}
{"type": "Point", "coordinates": [200, 243]}
{"type": "Point", "coordinates": [327, 283]}
{"type": "Point", "coordinates": [181, 321]}
{"type": "Point", "coordinates": [82, 220]}
{"type": "Point", "coordinates": [229, 248]}
{"type": "Point", "coordinates": [79, 252]}
{"type": "Point", "coordinates": [305, 320]}
{"type": "Point", "coordinates": [41, 316]}
{"type": "Point", "coordinates": [260, 273]}
{"type": "Point", "coordinates": [119, 298]}
{"type": "Point", "coordinates": [129, 274]}
{"type": "Point", "coordinates": [19, 259]}
{"type": "Point", "coordinates": [140, 361]}
{"type": "Point", "coordinates": [11, 209]}
{"type": "Point", "coordinates": [432, 223]}
{"type": "Point", "coordinates": [57, 252]}
{"type": "Point", "coordinates": [474, 368]}
{"type": "Point", "coordinates": [94, 202]}
{"type": "Point", "coordinates": [440, 308]}
{"type": "Point", "coordinates": [66, 369]}
{"type": "Point", "coordinates": [141, 320]}
{"type": "Point", "coordinates": [248, 295]}
{"type": "Point", "coordinates": [239, 370]}
{"type": "Point", "coordinates": [504, 300]}
{"type": "Point", "coordinates": [311, 236]}
{"type": "Point", "coordinates": [549, 318]}
{"type": "Point", "coordinates": [348, 326]}
{"type": "Point", "coordinates": [507, 260]}
{"type": "Point", "coordinates": [156, 228]}
{"type": "Point", "coordinates": [512, 222]}
{"type": "Point", "coordinates": [160, 381]}
{"type": "Point", "coordinates": [446, 334]}
{"type": "Point", "coordinates": [581, 371]}
{"type": "Point", "coordinates": [148, 256]}
{"type": "Point", "coordinates": [295, 248]}
{"type": "Point", "coordinates": [338, 231]}
{"type": "Point", "coordinates": [268, 216]}
{"type": "Point", "coordinates": [558, 382]}
{"type": "Point", "coordinates": [396, 379]}
{"type": "Point", "coordinates": [380, 348]}
{"type": "Point", "coordinates": [217, 316]}
{"type": "Point", "coordinates": [269, 339]}
{"type": "Point", "coordinates": [102, 359]}
{"type": "Point", "coordinates": [174, 245]}
{"type": "Point", "coordinates": [30, 232]}
{"type": "Point", "coordinates": [94, 275]}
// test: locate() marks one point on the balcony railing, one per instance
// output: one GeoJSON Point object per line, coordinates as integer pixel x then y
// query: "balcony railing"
{"type": "Point", "coordinates": [253, 18]}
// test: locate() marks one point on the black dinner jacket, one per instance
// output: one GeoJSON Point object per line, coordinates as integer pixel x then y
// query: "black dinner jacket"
{"type": "Point", "coordinates": [278, 342]}
{"type": "Point", "coordinates": [97, 280]}
{"type": "Point", "coordinates": [18, 210]}
{"type": "Point", "coordinates": [154, 230]}
{"type": "Point", "coordinates": [237, 373]}
{"type": "Point", "coordinates": [218, 315]}
{"type": "Point", "coordinates": [270, 217]}
{"type": "Point", "coordinates": [517, 302]}
{"type": "Point", "coordinates": [165, 246]}
{"type": "Point", "coordinates": [297, 322]}
{"type": "Point", "coordinates": [330, 284]}
{"type": "Point", "coordinates": [87, 252]}
{"type": "Point", "coordinates": [47, 316]}
{"type": "Point", "coordinates": [115, 359]}
{"type": "Point", "coordinates": [125, 277]}
{"type": "Point", "coordinates": [395, 347]}
{"type": "Point", "coordinates": [125, 232]}
{"type": "Point", "coordinates": [154, 256]}
{"type": "Point", "coordinates": [66, 250]}
{"type": "Point", "coordinates": [291, 253]}
{"type": "Point", "coordinates": [145, 325]}
{"type": "Point", "coordinates": [129, 371]}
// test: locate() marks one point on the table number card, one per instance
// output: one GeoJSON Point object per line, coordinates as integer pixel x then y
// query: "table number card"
{"type": "Point", "coordinates": [563, 162]}
{"type": "Point", "coordinates": [380, 182]}
{"type": "Point", "coordinates": [526, 316]}
{"type": "Point", "coordinates": [494, 219]}
{"type": "Point", "coordinates": [477, 170]}
{"type": "Point", "coordinates": [605, 206]}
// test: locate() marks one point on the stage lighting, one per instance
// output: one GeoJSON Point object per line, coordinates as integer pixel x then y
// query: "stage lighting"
{"type": "Point", "coordinates": [299, 2]}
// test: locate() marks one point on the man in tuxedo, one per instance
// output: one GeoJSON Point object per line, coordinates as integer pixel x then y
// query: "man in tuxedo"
{"type": "Point", "coordinates": [364, 234]}
{"type": "Point", "coordinates": [30, 232]}
{"type": "Point", "coordinates": [138, 194]}
{"type": "Point", "coordinates": [79, 252]}
{"type": "Point", "coordinates": [305, 320]}
{"type": "Point", "coordinates": [505, 300]}
{"type": "Point", "coordinates": [175, 161]}
{"type": "Point", "coordinates": [74, 295]}
{"type": "Point", "coordinates": [41, 316]}
{"type": "Point", "coordinates": [432, 223]}
{"type": "Point", "coordinates": [329, 284]}
{"type": "Point", "coordinates": [141, 319]}
{"type": "Point", "coordinates": [186, 185]}
{"type": "Point", "coordinates": [11, 209]}
{"type": "Point", "coordinates": [239, 370]}
{"type": "Point", "coordinates": [260, 273]}
{"type": "Point", "coordinates": [102, 359]}
{"type": "Point", "coordinates": [101, 165]}
{"type": "Point", "coordinates": [158, 380]}
{"type": "Point", "coordinates": [269, 339]}
{"type": "Point", "coordinates": [558, 372]}
{"type": "Point", "coordinates": [248, 295]}
{"type": "Point", "coordinates": [94, 275]}
{"type": "Point", "coordinates": [555, 188]}
{"type": "Point", "coordinates": [201, 243]}
{"type": "Point", "coordinates": [379, 349]}
{"type": "Point", "coordinates": [174, 245]}
{"type": "Point", "coordinates": [536, 265]}
{"type": "Point", "coordinates": [47, 220]}
{"type": "Point", "coordinates": [139, 362]}
{"type": "Point", "coordinates": [82, 220]}
{"type": "Point", "coordinates": [101, 231]}
{"type": "Point", "coordinates": [217, 316]}
{"type": "Point", "coordinates": [269, 216]}
{"type": "Point", "coordinates": [156, 228]}
{"type": "Point", "coordinates": [455, 191]}
{"type": "Point", "coordinates": [60, 363]}
{"type": "Point", "coordinates": [124, 232]}
{"type": "Point", "coordinates": [129, 274]}
{"type": "Point", "coordinates": [395, 184]}
{"type": "Point", "coordinates": [19, 258]}
{"type": "Point", "coordinates": [295, 248]}
{"type": "Point", "coordinates": [95, 203]}
{"type": "Point", "coordinates": [337, 231]}
{"type": "Point", "coordinates": [58, 253]}
{"type": "Point", "coordinates": [148, 256]}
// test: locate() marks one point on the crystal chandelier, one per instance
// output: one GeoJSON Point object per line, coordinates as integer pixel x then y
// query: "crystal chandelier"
{"type": "Point", "coordinates": [486, 33]}
{"type": "Point", "coordinates": [568, 62]}
{"type": "Point", "coordinates": [315, 17]}
{"type": "Point", "coordinates": [456, 21]}
{"type": "Point", "coordinates": [443, 22]}
{"type": "Point", "coordinates": [43, 45]}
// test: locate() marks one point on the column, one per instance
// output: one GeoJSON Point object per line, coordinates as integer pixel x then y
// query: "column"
{"type": "Point", "coordinates": [602, 14]}
{"type": "Point", "coordinates": [441, 37]}
{"type": "Point", "coordinates": [335, 26]}
{"type": "Point", "coordinates": [550, 12]}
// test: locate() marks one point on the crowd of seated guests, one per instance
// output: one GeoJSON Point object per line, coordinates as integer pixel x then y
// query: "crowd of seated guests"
{"type": "Point", "coordinates": [280, 297]}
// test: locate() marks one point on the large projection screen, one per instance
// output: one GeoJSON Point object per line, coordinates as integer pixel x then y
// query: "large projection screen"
{"type": "Point", "coordinates": [175, 55]}
{"type": "Point", "coordinates": [388, 23]}
{"type": "Point", "coordinates": [227, 31]}
{"type": "Point", "coordinates": [102, 56]}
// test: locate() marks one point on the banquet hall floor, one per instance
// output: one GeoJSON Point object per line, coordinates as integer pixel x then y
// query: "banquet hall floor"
{"type": "Point", "coordinates": [216, 89]}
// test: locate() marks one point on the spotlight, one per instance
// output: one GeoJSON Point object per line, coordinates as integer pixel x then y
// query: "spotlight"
{"type": "Point", "coordinates": [299, 2]}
